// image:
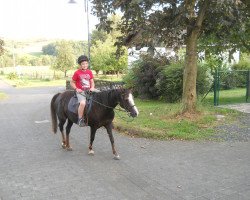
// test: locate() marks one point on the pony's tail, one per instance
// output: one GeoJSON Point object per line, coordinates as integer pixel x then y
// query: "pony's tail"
{"type": "Point", "coordinates": [53, 113]}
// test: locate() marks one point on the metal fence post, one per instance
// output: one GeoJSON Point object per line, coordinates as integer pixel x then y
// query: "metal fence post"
{"type": "Point", "coordinates": [216, 88]}
{"type": "Point", "coordinates": [248, 87]}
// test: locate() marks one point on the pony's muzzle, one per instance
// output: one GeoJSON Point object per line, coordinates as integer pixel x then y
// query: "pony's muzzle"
{"type": "Point", "coordinates": [134, 112]}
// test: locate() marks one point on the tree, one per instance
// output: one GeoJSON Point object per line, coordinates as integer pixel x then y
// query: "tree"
{"type": "Point", "coordinates": [98, 35]}
{"type": "Point", "coordinates": [6, 60]}
{"type": "Point", "coordinates": [104, 57]}
{"type": "Point", "coordinates": [99, 55]}
{"type": "Point", "coordinates": [46, 60]}
{"type": "Point", "coordinates": [79, 47]}
{"type": "Point", "coordinates": [175, 23]}
{"type": "Point", "coordinates": [49, 49]}
{"type": "Point", "coordinates": [1, 47]}
{"type": "Point", "coordinates": [65, 58]}
{"type": "Point", "coordinates": [104, 51]}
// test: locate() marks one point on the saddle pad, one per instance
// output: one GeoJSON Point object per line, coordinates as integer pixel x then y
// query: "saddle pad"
{"type": "Point", "coordinates": [73, 105]}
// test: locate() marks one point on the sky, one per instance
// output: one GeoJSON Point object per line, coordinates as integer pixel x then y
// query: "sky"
{"type": "Point", "coordinates": [52, 19]}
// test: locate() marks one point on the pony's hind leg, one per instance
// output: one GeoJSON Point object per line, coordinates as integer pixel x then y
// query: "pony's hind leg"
{"type": "Point", "coordinates": [109, 130]}
{"type": "Point", "coordinates": [60, 125]}
{"type": "Point", "coordinates": [68, 127]}
{"type": "Point", "coordinates": [92, 138]}
{"type": "Point", "coordinates": [63, 141]}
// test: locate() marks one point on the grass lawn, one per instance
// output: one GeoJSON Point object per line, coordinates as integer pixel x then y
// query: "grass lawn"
{"type": "Point", "coordinates": [160, 120]}
{"type": "Point", "coordinates": [2, 95]}
{"type": "Point", "coordinates": [24, 82]}
{"type": "Point", "coordinates": [231, 96]}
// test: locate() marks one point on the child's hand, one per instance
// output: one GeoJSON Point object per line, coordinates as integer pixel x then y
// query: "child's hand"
{"type": "Point", "coordinates": [78, 90]}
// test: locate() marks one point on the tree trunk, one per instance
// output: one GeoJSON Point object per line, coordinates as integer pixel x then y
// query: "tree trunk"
{"type": "Point", "coordinates": [190, 70]}
{"type": "Point", "coordinates": [190, 74]}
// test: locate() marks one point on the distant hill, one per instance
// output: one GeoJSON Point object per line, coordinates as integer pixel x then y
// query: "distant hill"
{"type": "Point", "coordinates": [32, 46]}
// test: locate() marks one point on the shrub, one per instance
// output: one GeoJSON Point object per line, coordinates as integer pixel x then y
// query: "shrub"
{"type": "Point", "coordinates": [170, 83]}
{"type": "Point", "coordinates": [143, 75]}
{"type": "Point", "coordinates": [12, 76]}
{"type": "Point", "coordinates": [242, 65]}
{"type": "Point", "coordinates": [232, 79]}
{"type": "Point", "coordinates": [204, 79]}
{"type": "Point", "coordinates": [238, 76]}
{"type": "Point", "coordinates": [154, 78]}
{"type": "Point", "coordinates": [46, 80]}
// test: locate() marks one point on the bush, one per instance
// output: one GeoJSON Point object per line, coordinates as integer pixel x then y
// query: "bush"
{"type": "Point", "coordinates": [143, 75]}
{"type": "Point", "coordinates": [204, 79]}
{"type": "Point", "coordinates": [170, 83]}
{"type": "Point", "coordinates": [239, 74]}
{"type": "Point", "coordinates": [154, 78]}
{"type": "Point", "coordinates": [232, 79]}
{"type": "Point", "coordinates": [12, 76]}
{"type": "Point", "coordinates": [242, 65]}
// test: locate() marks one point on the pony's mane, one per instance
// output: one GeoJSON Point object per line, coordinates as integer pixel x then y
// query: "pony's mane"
{"type": "Point", "coordinates": [106, 96]}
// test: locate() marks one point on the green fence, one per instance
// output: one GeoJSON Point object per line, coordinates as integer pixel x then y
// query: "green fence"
{"type": "Point", "coordinates": [226, 80]}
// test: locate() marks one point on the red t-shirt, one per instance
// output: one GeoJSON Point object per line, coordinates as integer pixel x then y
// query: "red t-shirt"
{"type": "Point", "coordinates": [82, 79]}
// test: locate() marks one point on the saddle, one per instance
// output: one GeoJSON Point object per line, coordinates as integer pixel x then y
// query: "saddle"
{"type": "Point", "coordinates": [73, 104]}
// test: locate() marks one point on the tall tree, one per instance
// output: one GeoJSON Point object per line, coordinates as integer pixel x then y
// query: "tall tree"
{"type": "Point", "coordinates": [104, 57]}
{"type": "Point", "coordinates": [104, 50]}
{"type": "Point", "coordinates": [65, 58]}
{"type": "Point", "coordinates": [79, 47]}
{"type": "Point", "coordinates": [175, 23]}
{"type": "Point", "coordinates": [1, 47]}
{"type": "Point", "coordinates": [98, 35]}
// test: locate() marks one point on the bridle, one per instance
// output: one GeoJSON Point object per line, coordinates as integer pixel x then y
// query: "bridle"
{"type": "Point", "coordinates": [118, 109]}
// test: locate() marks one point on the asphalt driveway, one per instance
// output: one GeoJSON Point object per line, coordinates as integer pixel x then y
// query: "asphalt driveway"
{"type": "Point", "coordinates": [34, 166]}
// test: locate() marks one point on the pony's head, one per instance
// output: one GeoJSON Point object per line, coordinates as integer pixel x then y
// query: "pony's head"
{"type": "Point", "coordinates": [127, 102]}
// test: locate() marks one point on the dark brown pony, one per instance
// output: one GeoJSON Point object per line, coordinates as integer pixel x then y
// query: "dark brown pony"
{"type": "Point", "coordinates": [101, 113]}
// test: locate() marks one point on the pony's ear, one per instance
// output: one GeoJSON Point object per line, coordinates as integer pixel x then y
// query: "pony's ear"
{"type": "Point", "coordinates": [130, 89]}
{"type": "Point", "coordinates": [120, 87]}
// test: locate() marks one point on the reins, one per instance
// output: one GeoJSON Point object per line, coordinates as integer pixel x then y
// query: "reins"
{"type": "Point", "coordinates": [115, 109]}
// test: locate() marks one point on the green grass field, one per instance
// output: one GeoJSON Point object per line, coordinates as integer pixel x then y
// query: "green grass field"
{"type": "Point", "coordinates": [231, 96]}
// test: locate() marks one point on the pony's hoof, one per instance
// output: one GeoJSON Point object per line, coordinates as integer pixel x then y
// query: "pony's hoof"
{"type": "Point", "coordinates": [69, 148]}
{"type": "Point", "coordinates": [63, 146]}
{"type": "Point", "coordinates": [117, 157]}
{"type": "Point", "coordinates": [91, 153]}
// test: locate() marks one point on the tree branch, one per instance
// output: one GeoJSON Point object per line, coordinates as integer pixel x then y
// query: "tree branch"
{"type": "Point", "coordinates": [201, 14]}
{"type": "Point", "coordinates": [245, 44]}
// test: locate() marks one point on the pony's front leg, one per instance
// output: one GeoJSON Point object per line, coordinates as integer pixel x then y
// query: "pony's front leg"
{"type": "Point", "coordinates": [92, 138]}
{"type": "Point", "coordinates": [109, 130]}
{"type": "Point", "coordinates": [68, 127]}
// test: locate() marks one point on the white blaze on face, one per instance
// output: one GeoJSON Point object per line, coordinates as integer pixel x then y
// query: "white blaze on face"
{"type": "Point", "coordinates": [132, 103]}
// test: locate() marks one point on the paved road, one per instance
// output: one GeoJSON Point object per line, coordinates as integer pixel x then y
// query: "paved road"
{"type": "Point", "coordinates": [33, 166]}
{"type": "Point", "coordinates": [243, 107]}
